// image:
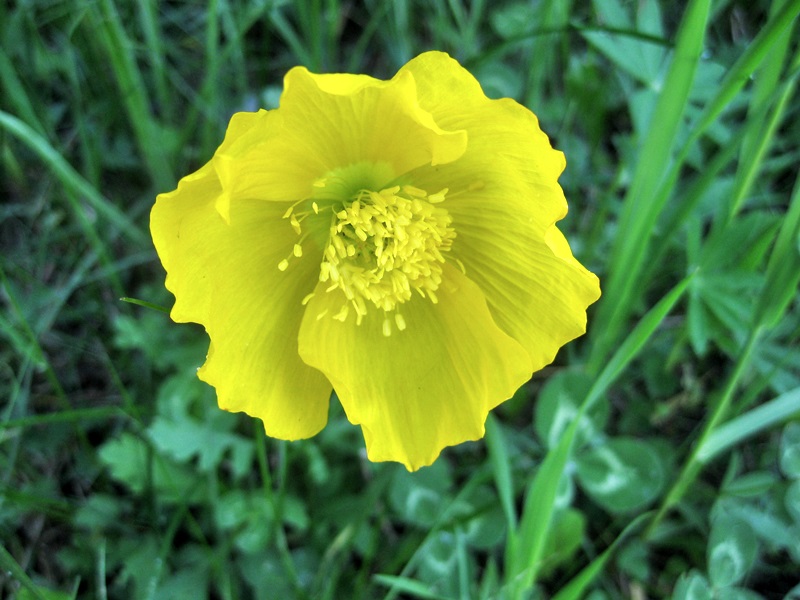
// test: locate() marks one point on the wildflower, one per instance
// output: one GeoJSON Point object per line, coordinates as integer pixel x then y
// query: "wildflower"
{"type": "Point", "coordinates": [392, 240]}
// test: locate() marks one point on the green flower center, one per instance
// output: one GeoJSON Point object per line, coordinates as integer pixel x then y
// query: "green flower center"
{"type": "Point", "coordinates": [381, 248]}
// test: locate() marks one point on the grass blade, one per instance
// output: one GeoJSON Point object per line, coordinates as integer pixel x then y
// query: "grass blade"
{"type": "Point", "coordinates": [15, 94]}
{"type": "Point", "coordinates": [11, 566]}
{"type": "Point", "coordinates": [498, 455]}
{"type": "Point", "coordinates": [757, 137]}
{"type": "Point", "coordinates": [769, 414]}
{"type": "Point", "coordinates": [639, 211]}
{"type": "Point", "coordinates": [576, 588]}
{"type": "Point", "coordinates": [155, 53]}
{"type": "Point", "coordinates": [133, 92]}
{"type": "Point", "coordinates": [783, 268]}
{"type": "Point", "coordinates": [692, 466]}
{"type": "Point", "coordinates": [524, 551]}
{"type": "Point", "coordinates": [759, 50]}
{"type": "Point", "coordinates": [629, 258]}
{"type": "Point", "coordinates": [71, 179]}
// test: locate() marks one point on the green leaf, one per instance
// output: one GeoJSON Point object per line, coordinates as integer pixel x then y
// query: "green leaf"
{"type": "Point", "coordinates": [641, 59]}
{"type": "Point", "coordinates": [186, 438]}
{"type": "Point", "coordinates": [99, 512]}
{"type": "Point", "coordinates": [792, 501]}
{"type": "Point", "coordinates": [498, 80]}
{"type": "Point", "coordinates": [623, 475]}
{"type": "Point", "coordinates": [692, 587]}
{"type": "Point", "coordinates": [438, 561]}
{"type": "Point", "coordinates": [790, 449]}
{"type": "Point", "coordinates": [412, 587]}
{"type": "Point", "coordinates": [513, 20]}
{"type": "Point", "coordinates": [576, 588]}
{"type": "Point", "coordinates": [732, 550]}
{"type": "Point", "coordinates": [189, 582]}
{"type": "Point", "coordinates": [751, 485]}
{"type": "Point", "coordinates": [564, 539]}
{"type": "Point", "coordinates": [633, 560]}
{"type": "Point", "coordinates": [480, 517]}
{"type": "Point", "coordinates": [743, 243]}
{"type": "Point", "coordinates": [133, 463]}
{"type": "Point", "coordinates": [501, 468]}
{"type": "Point", "coordinates": [141, 562]}
{"type": "Point", "coordinates": [42, 593]}
{"type": "Point", "coordinates": [742, 594]}
{"type": "Point", "coordinates": [420, 497]}
{"type": "Point", "coordinates": [772, 530]}
{"type": "Point", "coordinates": [557, 406]}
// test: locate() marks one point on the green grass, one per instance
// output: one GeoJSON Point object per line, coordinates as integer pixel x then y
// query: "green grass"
{"type": "Point", "coordinates": [657, 457]}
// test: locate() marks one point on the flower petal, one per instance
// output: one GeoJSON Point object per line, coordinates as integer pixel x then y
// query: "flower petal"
{"type": "Point", "coordinates": [421, 389]}
{"type": "Point", "coordinates": [225, 276]}
{"type": "Point", "coordinates": [326, 122]}
{"type": "Point", "coordinates": [504, 199]}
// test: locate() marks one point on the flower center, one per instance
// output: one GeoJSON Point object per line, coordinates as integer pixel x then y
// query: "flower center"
{"type": "Point", "coordinates": [385, 245]}
{"type": "Point", "coordinates": [380, 247]}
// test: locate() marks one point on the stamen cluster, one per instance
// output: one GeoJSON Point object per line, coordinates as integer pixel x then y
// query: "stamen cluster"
{"type": "Point", "coordinates": [382, 245]}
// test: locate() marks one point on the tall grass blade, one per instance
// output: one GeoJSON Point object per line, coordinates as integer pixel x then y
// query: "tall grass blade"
{"type": "Point", "coordinates": [758, 51]}
{"type": "Point", "coordinates": [524, 551]}
{"type": "Point", "coordinates": [148, 17]}
{"type": "Point", "coordinates": [119, 52]}
{"type": "Point", "coordinates": [772, 413]}
{"type": "Point", "coordinates": [71, 179]}
{"type": "Point", "coordinates": [12, 568]}
{"type": "Point", "coordinates": [639, 211]}
{"type": "Point", "coordinates": [692, 466]}
{"type": "Point", "coordinates": [576, 588]}
{"type": "Point", "coordinates": [501, 467]}
{"type": "Point", "coordinates": [629, 258]}
{"type": "Point", "coordinates": [289, 35]}
{"type": "Point", "coordinates": [757, 137]}
{"type": "Point", "coordinates": [552, 15]}
{"type": "Point", "coordinates": [64, 416]}
{"type": "Point", "coordinates": [15, 93]}
{"type": "Point", "coordinates": [783, 268]}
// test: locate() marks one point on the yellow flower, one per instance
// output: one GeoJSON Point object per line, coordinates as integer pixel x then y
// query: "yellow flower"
{"type": "Point", "coordinates": [392, 240]}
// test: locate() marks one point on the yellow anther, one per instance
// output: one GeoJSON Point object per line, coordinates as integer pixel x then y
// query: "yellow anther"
{"type": "Point", "coordinates": [297, 250]}
{"type": "Point", "coordinates": [295, 224]}
{"type": "Point", "coordinates": [438, 196]}
{"type": "Point", "coordinates": [382, 245]}
{"type": "Point", "coordinates": [283, 265]}
{"type": "Point", "coordinates": [414, 192]}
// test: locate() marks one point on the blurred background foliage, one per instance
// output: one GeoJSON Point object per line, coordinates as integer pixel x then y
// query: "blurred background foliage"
{"type": "Point", "coordinates": [658, 457]}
